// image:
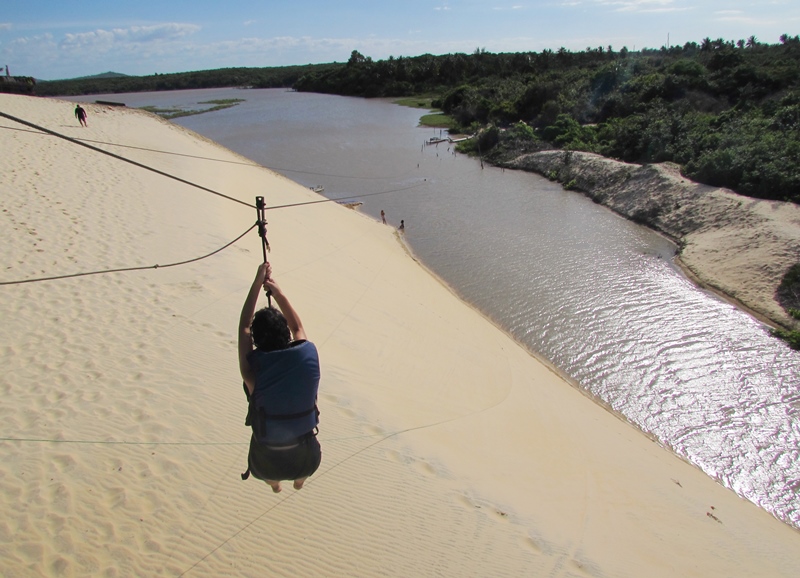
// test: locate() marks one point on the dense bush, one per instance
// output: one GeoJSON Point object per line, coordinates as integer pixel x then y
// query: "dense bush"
{"type": "Point", "coordinates": [727, 112]}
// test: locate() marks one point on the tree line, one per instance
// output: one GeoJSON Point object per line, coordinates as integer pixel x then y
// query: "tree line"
{"type": "Point", "coordinates": [728, 112]}
{"type": "Point", "coordinates": [269, 77]}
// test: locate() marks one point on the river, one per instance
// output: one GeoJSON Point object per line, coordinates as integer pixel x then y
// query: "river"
{"type": "Point", "coordinates": [597, 295]}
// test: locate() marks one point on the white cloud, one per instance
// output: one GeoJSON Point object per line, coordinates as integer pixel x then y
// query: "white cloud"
{"type": "Point", "coordinates": [132, 49]}
{"type": "Point", "coordinates": [642, 5]}
{"type": "Point", "coordinates": [742, 18]}
{"type": "Point", "coordinates": [24, 54]}
{"type": "Point", "coordinates": [105, 40]}
{"type": "Point", "coordinates": [5, 25]}
{"type": "Point", "coordinates": [249, 22]}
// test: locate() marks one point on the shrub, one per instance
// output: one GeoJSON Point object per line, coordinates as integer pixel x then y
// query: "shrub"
{"type": "Point", "coordinates": [788, 292]}
{"type": "Point", "coordinates": [792, 338]}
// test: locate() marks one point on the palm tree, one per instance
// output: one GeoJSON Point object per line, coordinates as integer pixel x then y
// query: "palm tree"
{"type": "Point", "coordinates": [752, 42]}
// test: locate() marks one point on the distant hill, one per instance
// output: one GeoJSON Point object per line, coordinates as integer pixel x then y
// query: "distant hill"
{"type": "Point", "coordinates": [108, 74]}
{"type": "Point", "coordinates": [112, 82]}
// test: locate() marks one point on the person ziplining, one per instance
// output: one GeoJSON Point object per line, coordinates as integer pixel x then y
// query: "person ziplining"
{"type": "Point", "coordinates": [281, 373]}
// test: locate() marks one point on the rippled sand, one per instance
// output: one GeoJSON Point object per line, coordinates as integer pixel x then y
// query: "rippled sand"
{"type": "Point", "coordinates": [447, 448]}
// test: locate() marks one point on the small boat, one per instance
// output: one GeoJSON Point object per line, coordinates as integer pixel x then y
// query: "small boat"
{"type": "Point", "coordinates": [317, 189]}
{"type": "Point", "coordinates": [434, 140]}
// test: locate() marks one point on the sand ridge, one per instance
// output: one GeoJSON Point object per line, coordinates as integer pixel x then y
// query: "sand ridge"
{"type": "Point", "coordinates": [448, 450]}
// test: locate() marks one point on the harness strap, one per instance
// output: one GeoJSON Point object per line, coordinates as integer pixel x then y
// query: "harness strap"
{"type": "Point", "coordinates": [286, 416]}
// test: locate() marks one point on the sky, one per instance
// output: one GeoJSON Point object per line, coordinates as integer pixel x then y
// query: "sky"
{"type": "Point", "coordinates": [51, 39]}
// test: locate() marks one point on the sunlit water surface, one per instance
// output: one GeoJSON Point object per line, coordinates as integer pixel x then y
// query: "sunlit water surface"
{"type": "Point", "coordinates": [595, 294]}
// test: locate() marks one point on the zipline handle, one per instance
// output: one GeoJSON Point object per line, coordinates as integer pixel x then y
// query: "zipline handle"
{"type": "Point", "coordinates": [262, 232]}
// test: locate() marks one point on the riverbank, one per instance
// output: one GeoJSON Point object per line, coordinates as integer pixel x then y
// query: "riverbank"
{"type": "Point", "coordinates": [123, 435]}
{"type": "Point", "coordinates": [737, 246]}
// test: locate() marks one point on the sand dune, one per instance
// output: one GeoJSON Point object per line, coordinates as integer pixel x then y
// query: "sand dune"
{"type": "Point", "coordinates": [448, 450]}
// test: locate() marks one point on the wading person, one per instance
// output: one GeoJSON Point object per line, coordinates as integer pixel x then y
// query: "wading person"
{"type": "Point", "coordinates": [280, 369]}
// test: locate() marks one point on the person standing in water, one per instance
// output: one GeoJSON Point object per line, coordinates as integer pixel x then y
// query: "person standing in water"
{"type": "Point", "coordinates": [281, 373]}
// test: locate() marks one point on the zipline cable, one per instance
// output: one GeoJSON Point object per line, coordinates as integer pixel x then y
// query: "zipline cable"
{"type": "Point", "coordinates": [243, 163]}
{"type": "Point", "coordinates": [126, 269]}
{"type": "Point", "coordinates": [260, 223]}
{"type": "Point", "coordinates": [121, 158]}
{"type": "Point", "coordinates": [326, 200]}
{"type": "Point", "coordinates": [114, 144]}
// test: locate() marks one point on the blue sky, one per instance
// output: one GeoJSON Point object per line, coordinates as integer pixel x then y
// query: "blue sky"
{"type": "Point", "coordinates": [51, 39]}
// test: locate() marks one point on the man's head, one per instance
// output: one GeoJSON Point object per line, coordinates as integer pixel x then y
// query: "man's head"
{"type": "Point", "coordinates": [270, 330]}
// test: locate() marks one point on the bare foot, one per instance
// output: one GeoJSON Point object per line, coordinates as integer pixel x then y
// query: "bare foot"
{"type": "Point", "coordinates": [299, 483]}
{"type": "Point", "coordinates": [276, 486]}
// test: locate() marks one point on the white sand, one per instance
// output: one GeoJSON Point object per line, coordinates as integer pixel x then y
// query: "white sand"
{"type": "Point", "coordinates": [448, 450]}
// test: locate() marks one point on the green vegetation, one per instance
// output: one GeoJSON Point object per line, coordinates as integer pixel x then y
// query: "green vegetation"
{"type": "Point", "coordinates": [438, 120]}
{"type": "Point", "coordinates": [170, 113]}
{"type": "Point", "coordinates": [419, 101]}
{"type": "Point", "coordinates": [727, 112]}
{"type": "Point", "coordinates": [276, 77]}
{"type": "Point", "coordinates": [788, 295]}
{"type": "Point", "coordinates": [223, 101]}
{"type": "Point", "coordinates": [18, 84]}
{"type": "Point", "coordinates": [792, 338]}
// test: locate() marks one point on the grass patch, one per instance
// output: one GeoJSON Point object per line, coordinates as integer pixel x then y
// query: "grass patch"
{"type": "Point", "coordinates": [227, 101]}
{"type": "Point", "coordinates": [170, 113]}
{"type": "Point", "coordinates": [438, 120]}
{"type": "Point", "coordinates": [420, 101]}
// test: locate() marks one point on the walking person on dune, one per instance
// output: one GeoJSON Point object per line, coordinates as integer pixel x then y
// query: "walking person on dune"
{"type": "Point", "coordinates": [280, 369]}
{"type": "Point", "coordinates": [80, 114]}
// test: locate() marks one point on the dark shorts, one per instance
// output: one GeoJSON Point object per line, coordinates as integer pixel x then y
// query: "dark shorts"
{"type": "Point", "coordinates": [285, 464]}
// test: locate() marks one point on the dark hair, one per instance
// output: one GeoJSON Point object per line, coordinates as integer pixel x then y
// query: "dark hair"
{"type": "Point", "coordinates": [270, 330]}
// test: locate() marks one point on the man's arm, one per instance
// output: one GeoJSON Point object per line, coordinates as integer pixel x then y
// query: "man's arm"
{"type": "Point", "coordinates": [292, 318]}
{"type": "Point", "coordinates": [245, 340]}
